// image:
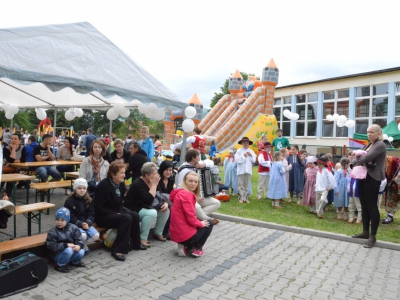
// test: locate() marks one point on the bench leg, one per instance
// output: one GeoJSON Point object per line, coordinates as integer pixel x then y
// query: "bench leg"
{"type": "Point", "coordinates": [29, 223]}
{"type": "Point", "coordinates": [28, 183]}
{"type": "Point", "coordinates": [40, 221]}
{"type": "Point", "coordinates": [48, 200]}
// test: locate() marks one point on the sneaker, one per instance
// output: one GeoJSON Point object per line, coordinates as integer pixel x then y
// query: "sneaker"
{"type": "Point", "coordinates": [198, 253]}
{"type": "Point", "coordinates": [87, 251]}
{"type": "Point", "coordinates": [182, 251]}
{"type": "Point", "coordinates": [62, 269]}
{"type": "Point", "coordinates": [388, 220]}
{"type": "Point", "coordinates": [78, 265]}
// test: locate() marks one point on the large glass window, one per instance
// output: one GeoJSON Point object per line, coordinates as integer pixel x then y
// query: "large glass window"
{"type": "Point", "coordinates": [307, 110]}
{"type": "Point", "coordinates": [397, 100]}
{"type": "Point", "coordinates": [280, 104]}
{"type": "Point", "coordinates": [335, 102]}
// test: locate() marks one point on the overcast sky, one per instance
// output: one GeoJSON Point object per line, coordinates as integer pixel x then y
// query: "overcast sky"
{"type": "Point", "coordinates": [193, 46]}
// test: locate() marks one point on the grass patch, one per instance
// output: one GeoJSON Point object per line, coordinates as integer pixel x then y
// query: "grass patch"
{"type": "Point", "coordinates": [299, 216]}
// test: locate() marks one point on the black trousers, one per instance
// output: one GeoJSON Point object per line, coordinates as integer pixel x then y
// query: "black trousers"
{"type": "Point", "coordinates": [198, 240]}
{"type": "Point", "coordinates": [368, 191]}
{"type": "Point", "coordinates": [128, 230]}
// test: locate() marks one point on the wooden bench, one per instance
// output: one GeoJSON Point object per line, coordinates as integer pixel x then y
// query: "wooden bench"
{"type": "Point", "coordinates": [28, 210]}
{"type": "Point", "coordinates": [45, 188]}
{"type": "Point", "coordinates": [31, 242]}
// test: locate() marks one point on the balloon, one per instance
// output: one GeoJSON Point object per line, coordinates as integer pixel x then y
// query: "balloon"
{"type": "Point", "coordinates": [125, 113]}
{"type": "Point", "coordinates": [152, 107]}
{"type": "Point", "coordinates": [142, 108]}
{"type": "Point", "coordinates": [78, 112]}
{"type": "Point", "coordinates": [149, 113]}
{"type": "Point", "coordinates": [339, 124]}
{"type": "Point", "coordinates": [135, 103]}
{"type": "Point", "coordinates": [13, 109]}
{"type": "Point", "coordinates": [390, 139]}
{"type": "Point", "coordinates": [385, 136]}
{"type": "Point", "coordinates": [342, 119]}
{"type": "Point", "coordinates": [188, 125]}
{"type": "Point", "coordinates": [70, 114]}
{"type": "Point", "coordinates": [6, 106]}
{"type": "Point", "coordinates": [190, 112]}
{"type": "Point", "coordinates": [287, 113]}
{"type": "Point", "coordinates": [335, 117]}
{"type": "Point", "coordinates": [40, 113]}
{"type": "Point", "coordinates": [112, 114]}
{"type": "Point", "coordinates": [350, 123]}
{"type": "Point", "coordinates": [119, 108]}
{"type": "Point", "coordinates": [9, 115]}
{"type": "Point", "coordinates": [329, 117]}
{"type": "Point", "coordinates": [295, 116]}
{"type": "Point", "coordinates": [159, 115]}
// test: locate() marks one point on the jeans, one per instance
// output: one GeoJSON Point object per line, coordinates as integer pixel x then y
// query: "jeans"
{"type": "Point", "coordinates": [44, 172]}
{"type": "Point", "coordinates": [148, 217]}
{"type": "Point", "coordinates": [68, 255]}
{"type": "Point", "coordinates": [65, 168]}
{"type": "Point", "coordinates": [198, 240]}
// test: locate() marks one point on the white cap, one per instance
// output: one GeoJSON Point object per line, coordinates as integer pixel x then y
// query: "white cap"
{"type": "Point", "coordinates": [80, 182]}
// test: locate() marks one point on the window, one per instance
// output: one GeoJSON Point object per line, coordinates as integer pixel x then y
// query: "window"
{"type": "Point", "coordinates": [371, 106]}
{"type": "Point", "coordinates": [306, 107]}
{"type": "Point", "coordinates": [280, 104]}
{"type": "Point", "coordinates": [397, 100]}
{"type": "Point", "coordinates": [335, 102]}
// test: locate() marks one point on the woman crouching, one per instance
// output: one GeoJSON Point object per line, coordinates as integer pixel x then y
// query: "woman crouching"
{"type": "Point", "coordinates": [185, 228]}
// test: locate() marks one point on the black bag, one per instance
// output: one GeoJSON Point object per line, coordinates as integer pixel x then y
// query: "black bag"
{"type": "Point", "coordinates": [160, 199]}
{"type": "Point", "coordinates": [21, 273]}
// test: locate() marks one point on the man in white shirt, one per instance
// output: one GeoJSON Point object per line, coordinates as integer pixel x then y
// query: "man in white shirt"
{"type": "Point", "coordinates": [204, 206]}
{"type": "Point", "coordinates": [245, 158]}
{"type": "Point", "coordinates": [26, 137]}
{"type": "Point", "coordinates": [264, 165]}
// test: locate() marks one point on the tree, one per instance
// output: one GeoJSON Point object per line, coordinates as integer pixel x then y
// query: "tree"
{"type": "Point", "coordinates": [224, 89]}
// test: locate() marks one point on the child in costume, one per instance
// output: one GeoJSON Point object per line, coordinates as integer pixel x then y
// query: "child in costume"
{"type": "Point", "coordinates": [277, 190]}
{"type": "Point", "coordinates": [296, 174]}
{"type": "Point", "coordinates": [342, 178]}
{"type": "Point", "coordinates": [323, 184]}
{"type": "Point", "coordinates": [230, 174]}
{"type": "Point", "coordinates": [309, 194]}
{"type": "Point", "coordinates": [354, 202]}
{"type": "Point", "coordinates": [264, 166]}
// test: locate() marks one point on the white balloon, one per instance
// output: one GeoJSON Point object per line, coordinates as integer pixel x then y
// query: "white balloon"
{"type": "Point", "coordinates": [6, 106]}
{"type": "Point", "coordinates": [335, 117]}
{"type": "Point", "coordinates": [40, 113]}
{"type": "Point", "coordinates": [287, 113]}
{"type": "Point", "coordinates": [142, 107]}
{"type": "Point", "coordinates": [119, 108]}
{"type": "Point", "coordinates": [13, 109]}
{"type": "Point", "coordinates": [69, 114]}
{"type": "Point", "coordinates": [385, 136]}
{"type": "Point", "coordinates": [149, 113]}
{"type": "Point", "coordinates": [350, 123]}
{"type": "Point", "coordinates": [112, 114]}
{"type": "Point", "coordinates": [339, 124]}
{"type": "Point", "coordinates": [152, 107]}
{"type": "Point", "coordinates": [135, 103]}
{"type": "Point", "coordinates": [159, 115]}
{"type": "Point", "coordinates": [342, 119]}
{"type": "Point", "coordinates": [78, 112]}
{"type": "Point", "coordinates": [329, 117]}
{"type": "Point", "coordinates": [9, 115]}
{"type": "Point", "coordinates": [125, 113]}
{"type": "Point", "coordinates": [390, 139]}
{"type": "Point", "coordinates": [190, 112]}
{"type": "Point", "coordinates": [188, 125]}
{"type": "Point", "coordinates": [295, 116]}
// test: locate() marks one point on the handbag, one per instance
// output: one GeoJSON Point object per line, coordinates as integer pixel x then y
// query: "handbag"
{"type": "Point", "coordinates": [9, 170]}
{"type": "Point", "coordinates": [111, 236]}
{"type": "Point", "coordinates": [160, 199]}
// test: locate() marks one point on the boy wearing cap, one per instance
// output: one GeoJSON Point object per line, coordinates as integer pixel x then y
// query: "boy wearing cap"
{"type": "Point", "coordinates": [81, 207]}
{"type": "Point", "coordinates": [64, 242]}
{"type": "Point", "coordinates": [245, 158]}
{"type": "Point", "coordinates": [323, 184]}
{"type": "Point", "coordinates": [264, 164]}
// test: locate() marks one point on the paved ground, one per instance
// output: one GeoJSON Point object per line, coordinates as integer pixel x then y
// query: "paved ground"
{"type": "Point", "coordinates": [240, 262]}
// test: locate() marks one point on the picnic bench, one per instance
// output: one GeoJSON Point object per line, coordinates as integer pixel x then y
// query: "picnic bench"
{"type": "Point", "coordinates": [29, 212]}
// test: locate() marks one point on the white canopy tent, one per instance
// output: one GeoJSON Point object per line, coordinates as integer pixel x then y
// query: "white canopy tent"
{"type": "Point", "coordinates": [73, 65]}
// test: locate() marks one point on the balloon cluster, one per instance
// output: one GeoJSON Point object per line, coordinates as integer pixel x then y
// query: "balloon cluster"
{"type": "Point", "coordinates": [292, 116]}
{"type": "Point", "coordinates": [118, 109]}
{"type": "Point", "coordinates": [40, 113]}
{"type": "Point", "coordinates": [10, 110]}
{"type": "Point", "coordinates": [188, 124]}
{"type": "Point", "coordinates": [388, 138]}
{"type": "Point", "coordinates": [341, 120]}
{"type": "Point", "coordinates": [71, 113]}
{"type": "Point", "coordinates": [150, 111]}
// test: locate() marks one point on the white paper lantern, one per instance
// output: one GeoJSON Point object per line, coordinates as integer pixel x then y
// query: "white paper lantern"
{"type": "Point", "coordinates": [78, 112]}
{"type": "Point", "coordinates": [295, 116]}
{"type": "Point", "coordinates": [13, 109]}
{"type": "Point", "coordinates": [385, 136]}
{"type": "Point", "coordinates": [9, 115]}
{"type": "Point", "coordinates": [119, 108]}
{"type": "Point", "coordinates": [188, 125]}
{"type": "Point", "coordinates": [40, 113]}
{"type": "Point", "coordinates": [142, 108]}
{"type": "Point", "coordinates": [287, 113]}
{"type": "Point", "coordinates": [190, 112]}
{"type": "Point", "coordinates": [339, 124]}
{"type": "Point", "coordinates": [125, 113]}
{"type": "Point", "coordinates": [70, 114]}
{"type": "Point", "coordinates": [335, 117]}
{"type": "Point", "coordinates": [342, 119]}
{"type": "Point", "coordinates": [390, 139]}
{"type": "Point", "coordinates": [350, 123]}
{"type": "Point", "coordinates": [112, 114]}
{"type": "Point", "coordinates": [159, 115]}
{"type": "Point", "coordinates": [329, 117]}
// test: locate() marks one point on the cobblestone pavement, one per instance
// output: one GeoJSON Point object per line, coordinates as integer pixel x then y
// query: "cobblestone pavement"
{"type": "Point", "coordinates": [240, 262]}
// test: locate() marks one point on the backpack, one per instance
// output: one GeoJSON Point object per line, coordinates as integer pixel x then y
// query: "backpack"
{"type": "Point", "coordinates": [127, 145]}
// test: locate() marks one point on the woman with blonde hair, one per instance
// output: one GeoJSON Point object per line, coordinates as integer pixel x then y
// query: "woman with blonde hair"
{"type": "Point", "coordinates": [185, 228]}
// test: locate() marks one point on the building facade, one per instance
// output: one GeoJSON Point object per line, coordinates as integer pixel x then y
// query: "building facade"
{"type": "Point", "coordinates": [368, 98]}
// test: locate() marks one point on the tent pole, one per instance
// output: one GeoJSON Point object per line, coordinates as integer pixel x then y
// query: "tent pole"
{"type": "Point", "coordinates": [109, 133]}
{"type": "Point", "coordinates": [11, 125]}
{"type": "Point", "coordinates": [54, 132]}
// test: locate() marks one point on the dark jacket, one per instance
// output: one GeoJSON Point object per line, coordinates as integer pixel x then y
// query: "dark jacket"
{"type": "Point", "coordinates": [88, 140]}
{"type": "Point", "coordinates": [57, 239]}
{"type": "Point", "coordinates": [125, 156]}
{"type": "Point", "coordinates": [81, 210]}
{"type": "Point", "coordinates": [106, 200]}
{"type": "Point", "coordinates": [171, 181]}
{"type": "Point", "coordinates": [138, 196]}
{"type": "Point", "coordinates": [136, 162]}
{"type": "Point", "coordinates": [377, 156]}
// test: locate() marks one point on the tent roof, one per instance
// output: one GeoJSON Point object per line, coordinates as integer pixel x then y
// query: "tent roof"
{"type": "Point", "coordinates": [390, 129]}
{"type": "Point", "coordinates": [73, 65]}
